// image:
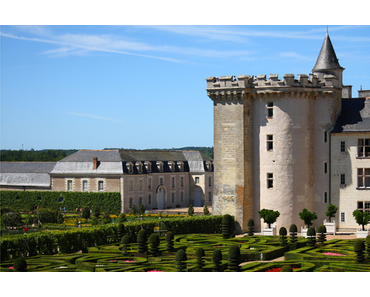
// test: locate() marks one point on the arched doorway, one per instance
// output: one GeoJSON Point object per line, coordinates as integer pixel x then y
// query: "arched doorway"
{"type": "Point", "coordinates": [198, 194]}
{"type": "Point", "coordinates": [161, 193]}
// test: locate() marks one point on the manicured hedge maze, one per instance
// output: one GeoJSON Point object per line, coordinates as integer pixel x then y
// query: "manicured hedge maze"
{"type": "Point", "coordinates": [334, 255]}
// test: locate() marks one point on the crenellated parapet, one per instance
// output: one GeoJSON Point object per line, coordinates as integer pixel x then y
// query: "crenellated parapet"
{"type": "Point", "coordinates": [304, 86]}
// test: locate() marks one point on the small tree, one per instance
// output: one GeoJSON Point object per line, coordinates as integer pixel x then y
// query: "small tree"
{"type": "Point", "coordinates": [269, 216]}
{"type": "Point", "coordinates": [199, 253]}
{"type": "Point", "coordinates": [154, 244]}
{"type": "Point", "coordinates": [307, 217]}
{"type": "Point", "coordinates": [311, 234]}
{"type": "Point", "coordinates": [331, 211]}
{"type": "Point", "coordinates": [142, 241]}
{"type": "Point", "coordinates": [227, 226]}
{"type": "Point", "coordinates": [122, 218]}
{"type": "Point", "coordinates": [283, 233]}
{"type": "Point", "coordinates": [191, 210]}
{"type": "Point", "coordinates": [362, 218]}
{"type": "Point", "coordinates": [120, 230]}
{"type": "Point", "coordinates": [368, 247]}
{"type": "Point", "coordinates": [250, 227]}
{"type": "Point", "coordinates": [169, 241]}
{"type": "Point", "coordinates": [293, 235]}
{"type": "Point", "coordinates": [20, 265]}
{"type": "Point", "coordinates": [321, 231]}
{"type": "Point", "coordinates": [359, 247]}
{"type": "Point", "coordinates": [206, 211]}
{"type": "Point", "coordinates": [234, 257]}
{"type": "Point", "coordinates": [181, 259]}
{"type": "Point", "coordinates": [216, 260]}
{"type": "Point", "coordinates": [141, 209]}
{"type": "Point", "coordinates": [125, 241]}
{"type": "Point", "coordinates": [133, 210]}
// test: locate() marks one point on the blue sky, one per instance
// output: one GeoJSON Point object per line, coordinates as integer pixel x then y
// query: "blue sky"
{"type": "Point", "coordinates": [141, 86]}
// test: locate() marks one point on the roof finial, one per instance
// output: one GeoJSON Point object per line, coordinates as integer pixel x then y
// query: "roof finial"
{"type": "Point", "coordinates": [327, 30]}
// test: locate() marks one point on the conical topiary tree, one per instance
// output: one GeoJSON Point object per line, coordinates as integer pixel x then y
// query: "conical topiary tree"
{"type": "Point", "coordinates": [142, 241]}
{"type": "Point", "coordinates": [234, 257]}
{"type": "Point", "coordinates": [293, 236]}
{"type": "Point", "coordinates": [125, 241]}
{"type": "Point", "coordinates": [359, 247]}
{"type": "Point", "coordinates": [199, 253]}
{"type": "Point", "coordinates": [368, 248]}
{"type": "Point", "coordinates": [216, 260]}
{"type": "Point", "coordinates": [311, 234]}
{"type": "Point", "coordinates": [120, 230]}
{"type": "Point", "coordinates": [227, 221]}
{"type": "Point", "coordinates": [286, 268]}
{"type": "Point", "coordinates": [169, 241]}
{"type": "Point", "coordinates": [190, 210]}
{"type": "Point", "coordinates": [283, 238]}
{"type": "Point", "coordinates": [205, 210]}
{"type": "Point", "coordinates": [250, 227]}
{"type": "Point", "coordinates": [154, 244]}
{"type": "Point", "coordinates": [181, 259]}
{"type": "Point", "coordinates": [321, 232]}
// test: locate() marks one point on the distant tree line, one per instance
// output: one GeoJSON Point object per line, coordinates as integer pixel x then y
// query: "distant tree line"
{"type": "Point", "coordinates": [34, 155]}
{"type": "Point", "coordinates": [56, 155]}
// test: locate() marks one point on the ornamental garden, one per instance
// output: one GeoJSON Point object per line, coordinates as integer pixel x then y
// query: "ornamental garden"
{"type": "Point", "coordinates": [97, 241]}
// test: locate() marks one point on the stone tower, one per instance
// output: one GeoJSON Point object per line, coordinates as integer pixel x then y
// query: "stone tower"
{"type": "Point", "coordinates": [271, 141]}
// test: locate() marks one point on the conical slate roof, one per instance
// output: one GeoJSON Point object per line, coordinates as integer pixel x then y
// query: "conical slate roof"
{"type": "Point", "coordinates": [327, 59]}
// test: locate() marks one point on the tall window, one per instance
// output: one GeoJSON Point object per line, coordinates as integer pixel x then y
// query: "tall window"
{"type": "Point", "coordinates": [326, 167]}
{"type": "Point", "coordinates": [69, 185]}
{"type": "Point", "coordinates": [342, 146]}
{"type": "Point", "coordinates": [270, 180]}
{"type": "Point", "coordinates": [181, 181]}
{"type": "Point", "coordinates": [325, 136]}
{"type": "Point", "coordinates": [363, 148]}
{"type": "Point", "coordinates": [210, 196]}
{"type": "Point", "coordinates": [161, 181]}
{"type": "Point", "coordinates": [325, 197]}
{"type": "Point", "coordinates": [130, 200]}
{"type": "Point", "coordinates": [130, 185]}
{"type": "Point", "coordinates": [342, 217]}
{"type": "Point", "coordinates": [210, 181]}
{"type": "Point", "coordinates": [140, 200]}
{"type": "Point", "coordinates": [140, 185]}
{"type": "Point", "coordinates": [149, 199]}
{"type": "Point", "coordinates": [363, 206]}
{"type": "Point", "coordinates": [173, 182]}
{"type": "Point", "coordinates": [270, 109]}
{"type": "Point", "coordinates": [270, 142]}
{"type": "Point", "coordinates": [363, 178]}
{"type": "Point", "coordinates": [100, 185]}
{"type": "Point", "coordinates": [84, 185]}
{"type": "Point", "coordinates": [182, 197]}
{"type": "Point", "coordinates": [197, 180]}
{"type": "Point", "coordinates": [149, 183]}
{"type": "Point", "coordinates": [172, 197]}
{"type": "Point", "coordinates": [343, 179]}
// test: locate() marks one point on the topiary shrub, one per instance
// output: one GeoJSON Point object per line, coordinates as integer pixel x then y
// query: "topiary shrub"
{"type": "Point", "coordinates": [122, 218]}
{"type": "Point", "coordinates": [106, 218]}
{"type": "Point", "coordinates": [368, 247]}
{"type": "Point", "coordinates": [141, 209]}
{"type": "Point", "coordinates": [216, 260]}
{"type": "Point", "coordinates": [181, 259]}
{"type": "Point", "coordinates": [359, 247]}
{"type": "Point", "coordinates": [142, 241]}
{"type": "Point", "coordinates": [331, 211]}
{"type": "Point", "coordinates": [96, 212]}
{"type": "Point", "coordinates": [169, 241]}
{"type": "Point", "coordinates": [154, 244]}
{"type": "Point", "coordinates": [321, 231]}
{"type": "Point", "coordinates": [206, 211]}
{"type": "Point", "coordinates": [307, 217]}
{"type": "Point", "coordinates": [293, 236]}
{"type": "Point", "coordinates": [234, 257]}
{"type": "Point", "coordinates": [199, 253]}
{"type": "Point", "coordinates": [120, 230]}
{"type": "Point", "coordinates": [133, 210]}
{"type": "Point", "coordinates": [20, 265]}
{"type": "Point", "coordinates": [227, 222]}
{"type": "Point", "coordinates": [125, 241]}
{"type": "Point", "coordinates": [269, 216]}
{"type": "Point", "coordinates": [191, 210]}
{"type": "Point", "coordinates": [311, 234]}
{"type": "Point", "coordinates": [283, 238]}
{"type": "Point", "coordinates": [362, 218]}
{"type": "Point", "coordinates": [250, 227]}
{"type": "Point", "coordinates": [286, 268]}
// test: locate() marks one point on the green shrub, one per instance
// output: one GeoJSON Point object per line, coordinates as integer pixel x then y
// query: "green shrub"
{"type": "Point", "coordinates": [307, 217]}
{"type": "Point", "coordinates": [120, 230]}
{"type": "Point", "coordinates": [20, 265]}
{"type": "Point", "coordinates": [216, 260]}
{"type": "Point", "coordinates": [283, 232]}
{"type": "Point", "coordinates": [234, 257]}
{"type": "Point", "coordinates": [125, 241]}
{"type": "Point", "coordinates": [142, 241]}
{"type": "Point", "coordinates": [321, 231]}
{"type": "Point", "coordinates": [359, 247]}
{"type": "Point", "coordinates": [311, 234]}
{"type": "Point", "coordinates": [362, 218]}
{"type": "Point", "coordinates": [293, 236]}
{"type": "Point", "coordinates": [141, 209]}
{"type": "Point", "coordinates": [96, 212]}
{"type": "Point", "coordinates": [368, 247]}
{"type": "Point", "coordinates": [250, 227]}
{"type": "Point", "coordinates": [169, 241]}
{"type": "Point", "coordinates": [122, 218]}
{"type": "Point", "coordinates": [181, 259]}
{"type": "Point", "coordinates": [286, 268]}
{"type": "Point", "coordinates": [85, 212]}
{"type": "Point", "coordinates": [331, 211]}
{"type": "Point", "coordinates": [206, 211]}
{"type": "Point", "coordinates": [154, 244]}
{"type": "Point", "coordinates": [106, 218]}
{"type": "Point", "coordinates": [227, 226]}
{"type": "Point", "coordinates": [199, 253]}
{"type": "Point", "coordinates": [191, 210]}
{"type": "Point", "coordinates": [11, 219]}
{"type": "Point", "coordinates": [268, 216]}
{"type": "Point", "coordinates": [133, 210]}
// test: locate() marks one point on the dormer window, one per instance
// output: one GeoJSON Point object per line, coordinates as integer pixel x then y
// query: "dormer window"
{"type": "Point", "coordinates": [180, 165]}
{"type": "Point", "coordinates": [160, 166]}
{"type": "Point", "coordinates": [171, 165]}
{"type": "Point", "coordinates": [209, 165]}
{"type": "Point", "coordinates": [148, 166]}
{"type": "Point", "coordinates": [130, 167]}
{"type": "Point", "coordinates": [139, 167]}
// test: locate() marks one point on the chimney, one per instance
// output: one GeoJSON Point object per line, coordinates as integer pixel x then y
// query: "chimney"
{"type": "Point", "coordinates": [95, 163]}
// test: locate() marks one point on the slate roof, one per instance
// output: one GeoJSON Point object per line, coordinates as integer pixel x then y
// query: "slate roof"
{"type": "Point", "coordinates": [327, 59]}
{"type": "Point", "coordinates": [26, 174]}
{"type": "Point", "coordinates": [354, 117]}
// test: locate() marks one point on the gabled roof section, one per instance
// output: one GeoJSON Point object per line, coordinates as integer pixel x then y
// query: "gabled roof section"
{"type": "Point", "coordinates": [151, 155]}
{"type": "Point", "coordinates": [354, 117]}
{"type": "Point", "coordinates": [327, 59]}
{"type": "Point", "coordinates": [26, 167]}
{"type": "Point", "coordinates": [89, 155]}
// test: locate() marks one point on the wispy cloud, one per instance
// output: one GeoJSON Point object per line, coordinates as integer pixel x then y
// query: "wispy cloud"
{"type": "Point", "coordinates": [94, 117]}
